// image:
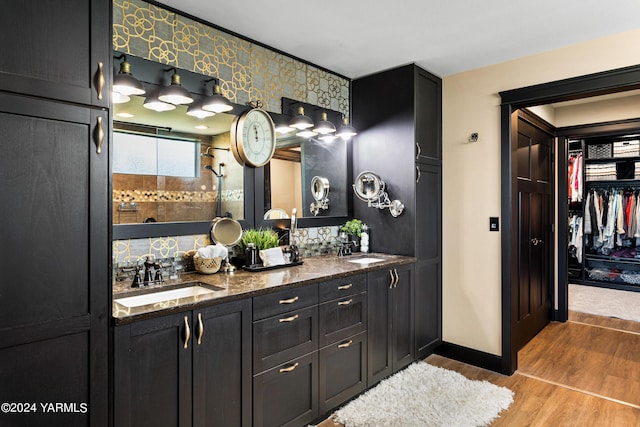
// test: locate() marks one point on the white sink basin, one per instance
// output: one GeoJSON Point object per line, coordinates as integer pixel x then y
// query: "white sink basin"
{"type": "Point", "coordinates": [156, 297]}
{"type": "Point", "coordinates": [365, 260]}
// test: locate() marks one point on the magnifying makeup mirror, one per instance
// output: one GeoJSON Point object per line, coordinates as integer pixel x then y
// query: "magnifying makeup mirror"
{"type": "Point", "coordinates": [370, 188]}
{"type": "Point", "coordinates": [320, 191]}
{"type": "Point", "coordinates": [227, 232]}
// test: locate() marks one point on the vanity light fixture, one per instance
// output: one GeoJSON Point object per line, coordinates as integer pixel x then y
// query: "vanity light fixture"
{"type": "Point", "coordinates": [153, 103]}
{"type": "Point", "coordinates": [328, 138]}
{"type": "Point", "coordinates": [196, 110]}
{"type": "Point", "coordinates": [346, 131]}
{"type": "Point", "coordinates": [301, 121]}
{"type": "Point", "coordinates": [283, 128]}
{"type": "Point", "coordinates": [118, 98]}
{"type": "Point", "coordinates": [306, 133]}
{"type": "Point", "coordinates": [174, 93]}
{"type": "Point", "coordinates": [325, 127]}
{"type": "Point", "coordinates": [124, 83]}
{"type": "Point", "coordinates": [216, 103]}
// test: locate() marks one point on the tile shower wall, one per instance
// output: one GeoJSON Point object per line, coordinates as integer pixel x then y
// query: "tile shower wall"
{"type": "Point", "coordinates": [247, 72]}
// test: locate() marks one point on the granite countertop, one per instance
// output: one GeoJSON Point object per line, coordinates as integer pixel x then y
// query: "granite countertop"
{"type": "Point", "coordinates": [244, 284]}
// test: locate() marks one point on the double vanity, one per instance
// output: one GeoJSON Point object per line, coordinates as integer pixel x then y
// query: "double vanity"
{"type": "Point", "coordinates": [280, 347]}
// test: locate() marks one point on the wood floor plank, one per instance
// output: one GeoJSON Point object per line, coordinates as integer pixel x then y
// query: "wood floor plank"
{"type": "Point", "coordinates": [570, 374]}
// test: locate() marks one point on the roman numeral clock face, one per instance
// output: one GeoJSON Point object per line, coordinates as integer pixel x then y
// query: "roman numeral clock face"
{"type": "Point", "coordinates": [253, 138]}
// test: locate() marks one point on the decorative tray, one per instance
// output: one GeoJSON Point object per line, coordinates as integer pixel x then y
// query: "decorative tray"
{"type": "Point", "coordinates": [260, 267]}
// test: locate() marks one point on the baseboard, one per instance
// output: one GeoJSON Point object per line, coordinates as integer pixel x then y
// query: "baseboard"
{"type": "Point", "coordinates": [470, 356]}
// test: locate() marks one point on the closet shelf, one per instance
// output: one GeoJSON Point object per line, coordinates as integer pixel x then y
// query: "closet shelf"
{"type": "Point", "coordinates": [613, 159]}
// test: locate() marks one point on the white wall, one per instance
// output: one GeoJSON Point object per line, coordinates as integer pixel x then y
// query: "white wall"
{"type": "Point", "coordinates": [471, 177]}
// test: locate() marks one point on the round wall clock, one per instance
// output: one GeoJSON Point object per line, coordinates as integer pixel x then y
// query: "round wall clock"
{"type": "Point", "coordinates": [253, 138]}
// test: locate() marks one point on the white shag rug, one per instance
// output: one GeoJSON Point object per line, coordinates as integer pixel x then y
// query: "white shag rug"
{"type": "Point", "coordinates": [424, 395]}
{"type": "Point", "coordinates": [605, 302]}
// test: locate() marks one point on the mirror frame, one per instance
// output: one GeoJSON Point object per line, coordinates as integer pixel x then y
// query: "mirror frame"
{"type": "Point", "coordinates": [152, 76]}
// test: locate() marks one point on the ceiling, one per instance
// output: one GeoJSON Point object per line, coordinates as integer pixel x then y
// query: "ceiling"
{"type": "Point", "coordinates": [360, 37]}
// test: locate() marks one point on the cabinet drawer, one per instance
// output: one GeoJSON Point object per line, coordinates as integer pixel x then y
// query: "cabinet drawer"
{"type": "Point", "coordinates": [343, 371]}
{"type": "Point", "coordinates": [284, 337]}
{"type": "Point", "coordinates": [342, 287]}
{"type": "Point", "coordinates": [287, 395]}
{"type": "Point", "coordinates": [342, 317]}
{"type": "Point", "coordinates": [284, 301]}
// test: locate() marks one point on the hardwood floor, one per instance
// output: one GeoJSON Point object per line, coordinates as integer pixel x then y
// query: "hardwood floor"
{"type": "Point", "coordinates": [585, 372]}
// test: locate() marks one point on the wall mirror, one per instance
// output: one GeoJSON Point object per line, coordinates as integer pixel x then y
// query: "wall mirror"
{"type": "Point", "coordinates": [370, 188]}
{"type": "Point", "coordinates": [172, 173]}
{"type": "Point", "coordinates": [174, 205]}
{"type": "Point", "coordinates": [297, 160]}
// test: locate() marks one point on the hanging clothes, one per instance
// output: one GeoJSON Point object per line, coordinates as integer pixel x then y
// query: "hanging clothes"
{"type": "Point", "coordinates": [575, 180]}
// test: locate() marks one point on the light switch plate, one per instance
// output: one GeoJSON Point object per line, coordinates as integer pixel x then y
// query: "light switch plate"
{"type": "Point", "coordinates": [494, 223]}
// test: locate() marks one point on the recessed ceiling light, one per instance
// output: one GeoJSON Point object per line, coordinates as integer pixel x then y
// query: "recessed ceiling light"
{"type": "Point", "coordinates": [125, 115]}
{"type": "Point", "coordinates": [202, 127]}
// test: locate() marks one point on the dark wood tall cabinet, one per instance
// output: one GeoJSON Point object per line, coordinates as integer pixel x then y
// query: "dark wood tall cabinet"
{"type": "Point", "coordinates": [55, 253]}
{"type": "Point", "coordinates": [398, 116]}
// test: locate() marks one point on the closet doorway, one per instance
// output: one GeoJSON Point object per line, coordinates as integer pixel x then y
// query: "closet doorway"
{"type": "Point", "coordinates": [564, 90]}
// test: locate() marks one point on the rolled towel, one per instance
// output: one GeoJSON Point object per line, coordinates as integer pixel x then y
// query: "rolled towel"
{"type": "Point", "coordinates": [271, 257]}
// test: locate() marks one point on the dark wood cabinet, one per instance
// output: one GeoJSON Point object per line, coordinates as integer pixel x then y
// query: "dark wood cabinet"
{"type": "Point", "coordinates": [285, 359]}
{"type": "Point", "coordinates": [56, 49]}
{"type": "Point", "coordinates": [343, 371]}
{"type": "Point", "coordinates": [428, 292]}
{"type": "Point", "coordinates": [391, 341]}
{"type": "Point", "coordinates": [55, 253]}
{"type": "Point", "coordinates": [405, 128]}
{"type": "Point", "coordinates": [191, 368]}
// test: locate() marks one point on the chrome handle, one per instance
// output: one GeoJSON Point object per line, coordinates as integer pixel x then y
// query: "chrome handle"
{"type": "Point", "coordinates": [395, 284]}
{"type": "Point", "coordinates": [288, 319]}
{"type": "Point", "coordinates": [100, 135]}
{"type": "Point", "coordinates": [187, 332]}
{"type": "Point", "coordinates": [392, 279]}
{"type": "Point", "coordinates": [345, 344]}
{"type": "Point", "coordinates": [345, 287]}
{"type": "Point", "coordinates": [419, 174]}
{"type": "Point", "coordinates": [535, 241]}
{"type": "Point", "coordinates": [290, 368]}
{"type": "Point", "coordinates": [419, 150]}
{"type": "Point", "coordinates": [345, 302]}
{"type": "Point", "coordinates": [289, 301]}
{"type": "Point", "coordinates": [100, 80]}
{"type": "Point", "coordinates": [200, 328]}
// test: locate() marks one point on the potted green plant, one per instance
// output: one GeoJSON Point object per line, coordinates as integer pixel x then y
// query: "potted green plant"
{"type": "Point", "coordinates": [262, 238]}
{"type": "Point", "coordinates": [353, 228]}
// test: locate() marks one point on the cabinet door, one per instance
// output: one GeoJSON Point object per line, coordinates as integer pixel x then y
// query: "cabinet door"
{"type": "Point", "coordinates": [343, 372]}
{"type": "Point", "coordinates": [55, 253]}
{"type": "Point", "coordinates": [152, 372]}
{"type": "Point", "coordinates": [403, 317]}
{"type": "Point", "coordinates": [380, 317]}
{"type": "Point", "coordinates": [428, 301]}
{"type": "Point", "coordinates": [428, 101]}
{"type": "Point", "coordinates": [287, 395]}
{"type": "Point", "coordinates": [222, 365]}
{"type": "Point", "coordinates": [53, 49]}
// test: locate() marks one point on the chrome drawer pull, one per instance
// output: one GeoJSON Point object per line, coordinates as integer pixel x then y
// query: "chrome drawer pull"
{"type": "Point", "coordinates": [288, 319]}
{"type": "Point", "coordinates": [290, 368]}
{"type": "Point", "coordinates": [345, 287]}
{"type": "Point", "coordinates": [345, 344]}
{"type": "Point", "coordinates": [289, 301]}
{"type": "Point", "coordinates": [345, 302]}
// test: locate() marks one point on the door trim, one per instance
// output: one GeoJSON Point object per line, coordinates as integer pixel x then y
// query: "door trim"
{"type": "Point", "coordinates": [618, 80]}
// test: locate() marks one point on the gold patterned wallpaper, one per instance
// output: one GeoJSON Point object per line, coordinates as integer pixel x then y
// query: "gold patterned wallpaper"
{"type": "Point", "coordinates": [247, 72]}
